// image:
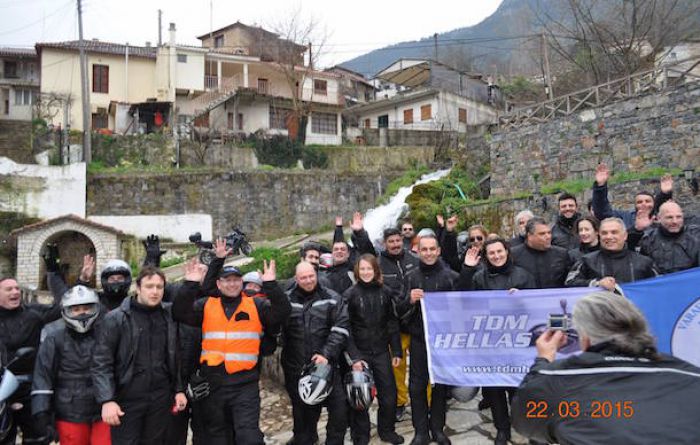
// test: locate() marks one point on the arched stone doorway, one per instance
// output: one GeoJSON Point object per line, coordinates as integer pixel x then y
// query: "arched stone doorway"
{"type": "Point", "coordinates": [72, 247]}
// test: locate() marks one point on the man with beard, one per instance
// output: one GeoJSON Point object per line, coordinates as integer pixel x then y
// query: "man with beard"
{"type": "Point", "coordinates": [563, 229]}
{"type": "Point", "coordinates": [548, 264]}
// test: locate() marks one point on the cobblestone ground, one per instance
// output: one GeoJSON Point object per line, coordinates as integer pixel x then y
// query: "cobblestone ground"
{"type": "Point", "coordinates": [466, 425]}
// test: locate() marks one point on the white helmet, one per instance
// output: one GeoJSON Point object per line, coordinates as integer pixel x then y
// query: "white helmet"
{"type": "Point", "coordinates": [252, 277]}
{"type": "Point", "coordinates": [77, 296]}
{"type": "Point", "coordinates": [315, 383]}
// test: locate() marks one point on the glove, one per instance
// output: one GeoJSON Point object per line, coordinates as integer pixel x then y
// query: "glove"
{"type": "Point", "coordinates": [197, 388]}
{"type": "Point", "coordinates": [45, 426]}
{"type": "Point", "coordinates": [50, 256]}
{"type": "Point", "coordinates": [153, 252]}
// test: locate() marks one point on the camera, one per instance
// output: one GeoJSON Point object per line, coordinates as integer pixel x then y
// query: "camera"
{"type": "Point", "coordinates": [558, 322]}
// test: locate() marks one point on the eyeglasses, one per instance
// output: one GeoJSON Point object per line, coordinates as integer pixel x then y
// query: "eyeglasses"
{"type": "Point", "coordinates": [475, 238]}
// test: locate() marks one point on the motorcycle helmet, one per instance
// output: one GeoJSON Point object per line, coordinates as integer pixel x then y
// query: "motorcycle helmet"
{"type": "Point", "coordinates": [360, 389]}
{"type": "Point", "coordinates": [463, 393]}
{"type": "Point", "coordinates": [252, 277]}
{"type": "Point", "coordinates": [116, 267]}
{"type": "Point", "coordinates": [462, 243]}
{"type": "Point", "coordinates": [316, 383]}
{"type": "Point", "coordinates": [78, 296]}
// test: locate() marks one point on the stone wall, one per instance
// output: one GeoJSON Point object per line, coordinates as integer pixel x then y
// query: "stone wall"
{"type": "Point", "coordinates": [376, 159]}
{"type": "Point", "coordinates": [262, 203]}
{"type": "Point", "coordinates": [657, 130]}
{"type": "Point", "coordinates": [498, 216]}
{"type": "Point", "coordinates": [410, 138]}
{"type": "Point", "coordinates": [16, 140]}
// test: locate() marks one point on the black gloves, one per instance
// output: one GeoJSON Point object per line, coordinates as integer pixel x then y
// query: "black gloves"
{"type": "Point", "coordinates": [50, 256]}
{"type": "Point", "coordinates": [198, 388]}
{"type": "Point", "coordinates": [44, 425]}
{"type": "Point", "coordinates": [153, 252]}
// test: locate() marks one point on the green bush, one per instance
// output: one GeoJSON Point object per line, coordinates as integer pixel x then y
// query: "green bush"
{"type": "Point", "coordinates": [286, 261]}
{"type": "Point", "coordinates": [278, 151]}
{"type": "Point", "coordinates": [314, 157]}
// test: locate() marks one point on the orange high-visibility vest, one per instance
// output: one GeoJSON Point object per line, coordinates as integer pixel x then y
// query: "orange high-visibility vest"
{"type": "Point", "coordinates": [237, 343]}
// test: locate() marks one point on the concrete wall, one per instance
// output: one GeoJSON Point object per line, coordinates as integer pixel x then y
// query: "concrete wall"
{"type": "Point", "coordinates": [175, 227]}
{"type": "Point", "coordinates": [264, 204]}
{"type": "Point", "coordinates": [190, 74]}
{"type": "Point", "coordinates": [42, 191]}
{"type": "Point", "coordinates": [658, 130]}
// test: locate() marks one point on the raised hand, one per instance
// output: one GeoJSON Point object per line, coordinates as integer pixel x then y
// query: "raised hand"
{"type": "Point", "coordinates": [451, 223]}
{"type": "Point", "coordinates": [357, 223]}
{"type": "Point", "coordinates": [269, 271]}
{"type": "Point", "coordinates": [601, 174]}
{"type": "Point", "coordinates": [220, 249]}
{"type": "Point", "coordinates": [193, 271]}
{"type": "Point", "coordinates": [666, 184]}
{"type": "Point", "coordinates": [50, 256]}
{"type": "Point", "coordinates": [472, 257]}
{"type": "Point", "coordinates": [339, 220]}
{"type": "Point", "coordinates": [153, 252]}
{"type": "Point", "coordinates": [88, 270]}
{"type": "Point", "coordinates": [642, 221]}
{"type": "Point", "coordinates": [440, 220]}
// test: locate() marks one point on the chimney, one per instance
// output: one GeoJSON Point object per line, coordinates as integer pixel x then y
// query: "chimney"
{"type": "Point", "coordinates": [148, 44]}
{"type": "Point", "coordinates": [171, 30]}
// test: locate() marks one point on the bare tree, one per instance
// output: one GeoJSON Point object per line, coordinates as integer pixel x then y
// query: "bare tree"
{"type": "Point", "coordinates": [298, 38]}
{"type": "Point", "coordinates": [605, 39]}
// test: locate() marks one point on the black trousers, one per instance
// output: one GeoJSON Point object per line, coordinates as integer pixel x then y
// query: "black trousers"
{"type": "Point", "coordinates": [146, 419]}
{"type": "Point", "coordinates": [425, 418]}
{"type": "Point", "coordinates": [23, 420]}
{"type": "Point", "coordinates": [498, 397]}
{"type": "Point", "coordinates": [380, 365]}
{"type": "Point", "coordinates": [306, 416]}
{"type": "Point", "coordinates": [233, 407]}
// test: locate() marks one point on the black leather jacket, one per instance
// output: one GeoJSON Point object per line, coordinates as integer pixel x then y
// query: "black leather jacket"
{"type": "Point", "coordinates": [395, 268]}
{"type": "Point", "coordinates": [488, 278]}
{"type": "Point", "coordinates": [438, 277]}
{"type": "Point", "coordinates": [672, 252]}
{"type": "Point", "coordinates": [62, 382]}
{"type": "Point", "coordinates": [563, 232]}
{"type": "Point", "coordinates": [647, 401]}
{"type": "Point", "coordinates": [117, 343]}
{"type": "Point", "coordinates": [548, 267]}
{"type": "Point", "coordinates": [625, 266]}
{"type": "Point", "coordinates": [318, 324]}
{"type": "Point", "coordinates": [373, 321]}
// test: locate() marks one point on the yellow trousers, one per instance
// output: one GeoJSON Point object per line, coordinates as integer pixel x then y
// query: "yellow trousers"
{"type": "Point", "coordinates": [401, 373]}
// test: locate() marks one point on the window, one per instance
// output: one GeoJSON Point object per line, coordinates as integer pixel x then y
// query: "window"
{"type": "Point", "coordinates": [182, 58]}
{"type": "Point", "coordinates": [462, 115]}
{"type": "Point", "coordinates": [230, 121]}
{"type": "Point", "coordinates": [383, 121]}
{"type": "Point", "coordinates": [23, 97]}
{"type": "Point", "coordinates": [99, 121]}
{"type": "Point", "coordinates": [100, 79]}
{"type": "Point", "coordinates": [425, 112]}
{"type": "Point", "coordinates": [278, 118]}
{"type": "Point", "coordinates": [240, 121]}
{"type": "Point", "coordinates": [367, 123]}
{"type": "Point", "coordinates": [320, 87]}
{"type": "Point", "coordinates": [10, 70]}
{"type": "Point", "coordinates": [408, 116]}
{"type": "Point", "coordinates": [219, 42]}
{"type": "Point", "coordinates": [324, 123]}
{"type": "Point", "coordinates": [202, 121]}
{"type": "Point", "coordinates": [263, 86]}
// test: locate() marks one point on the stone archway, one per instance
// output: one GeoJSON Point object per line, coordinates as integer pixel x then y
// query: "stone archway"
{"type": "Point", "coordinates": [72, 247]}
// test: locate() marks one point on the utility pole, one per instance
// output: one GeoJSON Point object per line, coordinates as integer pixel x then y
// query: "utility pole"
{"type": "Point", "coordinates": [87, 142]}
{"type": "Point", "coordinates": [547, 72]}
{"type": "Point", "coordinates": [435, 36]}
{"type": "Point", "coordinates": [160, 28]}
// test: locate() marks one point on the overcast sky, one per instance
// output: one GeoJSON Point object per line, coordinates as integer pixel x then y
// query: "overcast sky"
{"type": "Point", "coordinates": [354, 27]}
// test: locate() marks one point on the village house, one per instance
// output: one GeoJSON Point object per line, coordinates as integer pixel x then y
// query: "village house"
{"type": "Point", "coordinates": [433, 97]}
{"type": "Point", "coordinates": [19, 83]}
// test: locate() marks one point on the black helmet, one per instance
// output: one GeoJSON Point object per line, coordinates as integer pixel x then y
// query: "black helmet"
{"type": "Point", "coordinates": [360, 389]}
{"type": "Point", "coordinates": [316, 383]}
{"type": "Point", "coordinates": [116, 267]}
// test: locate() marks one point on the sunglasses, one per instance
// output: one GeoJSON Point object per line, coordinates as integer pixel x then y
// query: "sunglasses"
{"type": "Point", "coordinates": [475, 238]}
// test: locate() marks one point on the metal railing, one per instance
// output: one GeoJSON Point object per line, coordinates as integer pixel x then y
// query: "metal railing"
{"type": "Point", "coordinates": [645, 82]}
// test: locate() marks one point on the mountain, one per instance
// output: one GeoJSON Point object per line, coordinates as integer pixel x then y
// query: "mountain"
{"type": "Point", "coordinates": [494, 44]}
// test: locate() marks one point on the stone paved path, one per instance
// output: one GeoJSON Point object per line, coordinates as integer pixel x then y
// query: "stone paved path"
{"type": "Point", "coordinates": [466, 425]}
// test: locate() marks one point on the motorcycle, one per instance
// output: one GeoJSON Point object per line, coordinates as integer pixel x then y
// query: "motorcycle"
{"type": "Point", "coordinates": [8, 385]}
{"type": "Point", "coordinates": [236, 241]}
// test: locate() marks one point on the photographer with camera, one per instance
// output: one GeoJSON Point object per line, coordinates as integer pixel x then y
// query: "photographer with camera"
{"type": "Point", "coordinates": [620, 390]}
{"type": "Point", "coordinates": [232, 328]}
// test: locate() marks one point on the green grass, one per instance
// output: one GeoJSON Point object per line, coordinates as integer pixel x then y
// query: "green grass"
{"type": "Point", "coordinates": [406, 179]}
{"type": "Point", "coordinates": [575, 186]}
{"type": "Point", "coordinates": [285, 261]}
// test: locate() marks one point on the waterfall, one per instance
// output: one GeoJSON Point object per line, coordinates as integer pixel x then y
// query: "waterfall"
{"type": "Point", "coordinates": [387, 215]}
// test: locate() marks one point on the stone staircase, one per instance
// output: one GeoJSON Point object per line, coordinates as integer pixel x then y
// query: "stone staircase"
{"type": "Point", "coordinates": [15, 141]}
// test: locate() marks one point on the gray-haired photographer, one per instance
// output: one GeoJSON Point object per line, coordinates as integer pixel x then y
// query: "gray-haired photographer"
{"type": "Point", "coordinates": [620, 390]}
